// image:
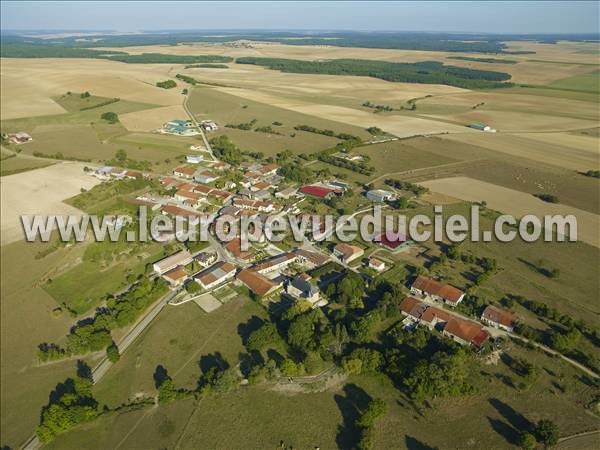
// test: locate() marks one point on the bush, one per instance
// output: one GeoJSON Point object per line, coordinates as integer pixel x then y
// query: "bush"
{"type": "Point", "coordinates": [549, 198]}
{"type": "Point", "coordinates": [110, 117]}
{"type": "Point", "coordinates": [168, 84]}
{"type": "Point", "coordinates": [112, 353]}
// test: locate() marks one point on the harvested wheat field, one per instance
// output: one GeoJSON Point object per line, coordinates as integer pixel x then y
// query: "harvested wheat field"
{"type": "Point", "coordinates": [47, 78]}
{"type": "Point", "coordinates": [151, 119]}
{"type": "Point", "coordinates": [558, 149]}
{"type": "Point", "coordinates": [40, 191]}
{"type": "Point", "coordinates": [401, 126]}
{"type": "Point", "coordinates": [516, 203]}
{"type": "Point", "coordinates": [518, 122]}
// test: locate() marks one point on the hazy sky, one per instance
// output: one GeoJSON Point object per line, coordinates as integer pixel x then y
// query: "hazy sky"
{"type": "Point", "coordinates": [482, 16]}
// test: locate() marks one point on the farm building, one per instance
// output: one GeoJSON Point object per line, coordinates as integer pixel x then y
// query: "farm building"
{"type": "Point", "coordinates": [465, 332]}
{"type": "Point", "coordinates": [379, 195]}
{"type": "Point", "coordinates": [257, 283]}
{"type": "Point", "coordinates": [275, 263]}
{"type": "Point", "coordinates": [310, 259]}
{"type": "Point", "coordinates": [194, 159]}
{"type": "Point", "coordinates": [287, 193]}
{"type": "Point", "coordinates": [215, 275]}
{"type": "Point", "coordinates": [317, 192]}
{"type": "Point", "coordinates": [347, 253]}
{"type": "Point", "coordinates": [460, 330]}
{"type": "Point", "coordinates": [257, 205]}
{"type": "Point", "coordinates": [179, 128]}
{"type": "Point", "coordinates": [171, 262]}
{"type": "Point", "coordinates": [428, 287]}
{"type": "Point", "coordinates": [176, 277]}
{"type": "Point", "coordinates": [499, 318]}
{"type": "Point", "coordinates": [20, 138]}
{"type": "Point", "coordinates": [205, 177]}
{"type": "Point", "coordinates": [481, 127]}
{"type": "Point", "coordinates": [103, 171]}
{"type": "Point", "coordinates": [209, 125]}
{"type": "Point", "coordinates": [392, 242]}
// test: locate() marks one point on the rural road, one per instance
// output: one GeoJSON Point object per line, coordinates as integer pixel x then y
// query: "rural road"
{"type": "Point", "coordinates": [100, 370]}
{"type": "Point", "coordinates": [193, 119]}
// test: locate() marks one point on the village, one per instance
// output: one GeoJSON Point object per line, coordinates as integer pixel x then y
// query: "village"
{"type": "Point", "coordinates": [202, 189]}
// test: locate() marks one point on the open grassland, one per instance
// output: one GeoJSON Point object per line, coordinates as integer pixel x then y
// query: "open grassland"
{"type": "Point", "coordinates": [516, 203]}
{"type": "Point", "coordinates": [27, 319]}
{"type": "Point", "coordinates": [40, 191]}
{"type": "Point", "coordinates": [182, 339]}
{"type": "Point", "coordinates": [260, 417]}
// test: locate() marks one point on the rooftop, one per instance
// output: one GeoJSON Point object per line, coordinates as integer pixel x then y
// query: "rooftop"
{"type": "Point", "coordinates": [434, 287]}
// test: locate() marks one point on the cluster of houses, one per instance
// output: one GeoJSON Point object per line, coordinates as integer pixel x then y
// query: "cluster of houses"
{"type": "Point", "coordinates": [263, 278]}
{"type": "Point", "coordinates": [461, 330]}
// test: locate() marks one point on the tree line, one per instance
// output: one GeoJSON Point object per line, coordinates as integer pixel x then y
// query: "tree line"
{"type": "Point", "coordinates": [427, 72]}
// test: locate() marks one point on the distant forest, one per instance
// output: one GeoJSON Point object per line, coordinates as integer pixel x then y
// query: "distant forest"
{"type": "Point", "coordinates": [428, 72]}
{"type": "Point", "coordinates": [28, 50]}
{"type": "Point", "coordinates": [446, 42]}
{"type": "Point", "coordinates": [484, 60]}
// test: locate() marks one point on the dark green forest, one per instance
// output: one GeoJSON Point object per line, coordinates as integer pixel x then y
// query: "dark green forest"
{"type": "Point", "coordinates": [428, 72]}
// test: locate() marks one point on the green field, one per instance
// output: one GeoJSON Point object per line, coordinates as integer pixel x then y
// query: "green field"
{"type": "Point", "coordinates": [229, 109]}
{"type": "Point", "coordinates": [589, 82]}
